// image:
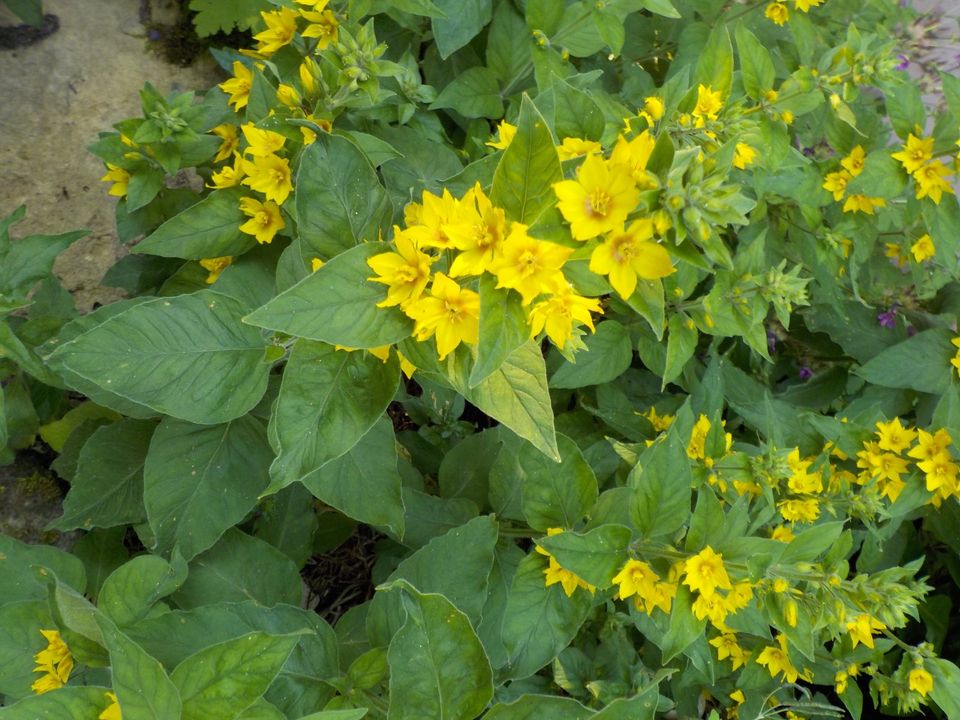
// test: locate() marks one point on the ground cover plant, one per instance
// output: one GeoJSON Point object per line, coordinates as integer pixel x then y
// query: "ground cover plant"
{"type": "Point", "coordinates": [623, 333]}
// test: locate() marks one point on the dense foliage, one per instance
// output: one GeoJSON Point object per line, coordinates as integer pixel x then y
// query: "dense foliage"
{"type": "Point", "coordinates": [629, 327]}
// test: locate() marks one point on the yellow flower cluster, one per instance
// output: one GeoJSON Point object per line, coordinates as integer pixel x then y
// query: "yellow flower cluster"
{"type": "Point", "coordinates": [54, 661]}
{"type": "Point", "coordinates": [836, 184]}
{"type": "Point", "coordinates": [322, 25]}
{"type": "Point", "coordinates": [641, 582]}
{"type": "Point", "coordinates": [778, 13]}
{"type": "Point", "coordinates": [479, 239]}
{"type": "Point", "coordinates": [930, 175]}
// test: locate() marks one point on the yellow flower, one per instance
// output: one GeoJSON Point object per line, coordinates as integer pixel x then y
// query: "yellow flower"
{"type": "Point", "coordinates": [316, 263]}
{"type": "Point", "coordinates": [288, 95]}
{"type": "Point", "coordinates": [653, 106]}
{"type": "Point", "coordinates": [405, 272]}
{"type": "Point", "coordinates": [920, 681]}
{"type": "Point", "coordinates": [568, 581]}
{"type": "Point", "coordinates": [956, 358]}
{"type": "Point", "coordinates": [269, 175]}
{"type": "Point", "coordinates": [743, 155]}
{"type": "Point", "coordinates": [560, 312]}
{"type": "Point", "coordinates": [660, 423]}
{"type": "Point", "coordinates": [777, 660]}
{"type": "Point", "coordinates": [863, 203]}
{"type": "Point", "coordinates": [229, 175]}
{"type": "Point", "coordinates": [853, 163]}
{"type": "Point", "coordinates": [931, 181]}
{"type": "Point", "coordinates": [836, 183]}
{"type": "Point", "coordinates": [930, 445]}
{"type": "Point", "coordinates": [805, 5]}
{"type": "Point", "coordinates": [713, 608]}
{"type": "Point", "coordinates": [709, 102]}
{"type": "Point", "coordinates": [261, 143]}
{"type": "Point", "coordinates": [308, 73]}
{"type": "Point", "coordinates": [704, 572]}
{"type": "Point", "coordinates": [804, 483]}
{"type": "Point", "coordinates": [112, 711]}
{"type": "Point", "coordinates": [916, 151]}
{"type": "Point", "coordinates": [728, 647]}
{"type": "Point", "coordinates": [120, 179]}
{"type": "Point", "coordinates": [238, 87]}
{"type": "Point", "coordinates": [281, 27]}
{"type": "Point", "coordinates": [265, 219]}
{"type": "Point", "coordinates": [782, 534]}
{"type": "Point", "coordinates": [895, 253]}
{"type": "Point", "coordinates": [634, 155]}
{"type": "Point", "coordinates": [862, 628]}
{"type": "Point", "coordinates": [635, 578]}
{"type": "Point", "coordinates": [530, 266]}
{"type": "Point", "coordinates": [894, 437]}
{"type": "Point", "coordinates": [923, 249]}
{"type": "Point", "coordinates": [696, 448]}
{"type": "Point", "coordinates": [941, 472]}
{"type": "Point", "coordinates": [215, 266]}
{"type": "Point", "coordinates": [231, 141]}
{"type": "Point", "coordinates": [450, 312]}
{"type": "Point", "coordinates": [55, 661]}
{"type": "Point", "coordinates": [777, 12]}
{"type": "Point", "coordinates": [628, 254]}
{"type": "Point", "coordinates": [787, 117]}
{"type": "Point", "coordinates": [477, 231]}
{"type": "Point", "coordinates": [427, 222]}
{"type": "Point", "coordinates": [799, 510]}
{"type": "Point", "coordinates": [323, 26]}
{"type": "Point", "coordinates": [505, 135]}
{"type": "Point", "coordinates": [599, 200]}
{"type": "Point", "coordinates": [572, 147]}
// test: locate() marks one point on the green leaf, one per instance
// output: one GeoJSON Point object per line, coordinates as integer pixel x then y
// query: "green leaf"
{"type": "Point", "coordinates": [288, 521]}
{"type": "Point", "coordinates": [145, 182]}
{"type": "Point", "coordinates": [328, 400]}
{"type": "Point", "coordinates": [474, 93]}
{"type": "Point", "coordinates": [571, 112]}
{"type": "Point", "coordinates": [920, 363]}
{"type": "Point", "coordinates": [200, 480]}
{"type": "Point", "coordinates": [756, 64]}
{"type": "Point", "coordinates": [240, 567]}
{"type": "Point", "coordinates": [946, 685]}
{"type": "Point", "coordinates": [681, 343]}
{"type": "Point", "coordinates": [12, 348]}
{"type": "Point", "coordinates": [661, 7]}
{"type": "Point", "coordinates": [523, 181]}
{"type": "Point", "coordinates": [364, 483]}
{"type": "Point", "coordinates": [437, 665]}
{"type": "Point", "coordinates": [642, 706]}
{"type": "Point", "coordinates": [663, 481]}
{"type": "Point", "coordinates": [68, 703]}
{"type": "Point", "coordinates": [465, 469]}
{"type": "Point", "coordinates": [19, 642]}
{"type": "Point", "coordinates": [811, 543]}
{"type": "Point", "coordinates": [30, 11]}
{"type": "Point", "coordinates": [357, 714]}
{"type": "Point", "coordinates": [107, 488]}
{"type": "Point", "coordinates": [143, 688]}
{"type": "Point", "coordinates": [187, 356]}
{"type": "Point", "coordinates": [211, 228]}
{"type": "Point", "coordinates": [460, 22]}
{"type": "Point", "coordinates": [540, 707]}
{"type": "Point", "coordinates": [30, 260]}
{"type": "Point", "coordinates": [607, 356]}
{"type": "Point", "coordinates": [715, 67]}
{"type": "Point", "coordinates": [337, 305]}
{"type": "Point", "coordinates": [503, 328]}
{"type": "Point", "coordinates": [539, 621]}
{"type": "Point", "coordinates": [556, 494]}
{"type": "Point", "coordinates": [507, 57]}
{"type": "Point", "coordinates": [596, 556]}
{"type": "Point", "coordinates": [101, 552]}
{"type": "Point", "coordinates": [684, 628]}
{"type": "Point", "coordinates": [225, 679]}
{"type": "Point", "coordinates": [881, 177]}
{"type": "Point", "coordinates": [213, 16]}
{"type": "Point", "coordinates": [455, 565]}
{"type": "Point", "coordinates": [132, 590]}
{"type": "Point", "coordinates": [19, 579]}
{"type": "Point", "coordinates": [339, 199]}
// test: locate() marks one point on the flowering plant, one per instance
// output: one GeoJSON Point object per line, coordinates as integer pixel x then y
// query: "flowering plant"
{"type": "Point", "coordinates": [597, 313]}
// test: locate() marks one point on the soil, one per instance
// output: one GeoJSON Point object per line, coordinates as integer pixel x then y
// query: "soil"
{"type": "Point", "coordinates": [57, 93]}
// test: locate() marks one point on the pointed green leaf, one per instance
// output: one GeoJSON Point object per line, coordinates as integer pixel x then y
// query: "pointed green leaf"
{"type": "Point", "coordinates": [756, 64]}
{"type": "Point", "coordinates": [328, 400]}
{"type": "Point", "coordinates": [340, 201]}
{"type": "Point", "coordinates": [607, 356]}
{"type": "Point", "coordinates": [715, 67]}
{"type": "Point", "coordinates": [684, 627]}
{"type": "Point", "coordinates": [438, 668]}
{"type": "Point", "coordinates": [596, 556]}
{"type": "Point", "coordinates": [337, 305]}
{"type": "Point", "coordinates": [19, 579]}
{"type": "Point", "coordinates": [19, 642]}
{"type": "Point", "coordinates": [681, 343]}
{"type": "Point", "coordinates": [225, 679]}
{"type": "Point", "coordinates": [187, 356]}
{"type": "Point", "coordinates": [458, 22]}
{"type": "Point", "coordinates": [663, 480]}
{"type": "Point", "coordinates": [474, 93]}
{"type": "Point", "coordinates": [933, 375]}
{"type": "Point", "coordinates": [540, 707]}
{"type": "Point", "coordinates": [142, 686]}
{"type": "Point", "coordinates": [200, 480]}
{"type": "Point", "coordinates": [555, 494]}
{"type": "Point", "coordinates": [503, 328]}
{"type": "Point", "coordinates": [30, 260]}
{"type": "Point", "coordinates": [523, 181]}
{"type": "Point", "coordinates": [134, 588]}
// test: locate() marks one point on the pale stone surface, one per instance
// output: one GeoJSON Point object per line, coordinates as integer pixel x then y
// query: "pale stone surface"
{"type": "Point", "coordinates": [55, 96]}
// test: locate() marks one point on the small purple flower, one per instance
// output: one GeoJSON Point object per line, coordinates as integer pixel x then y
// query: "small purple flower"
{"type": "Point", "coordinates": [904, 62]}
{"type": "Point", "coordinates": [888, 319]}
{"type": "Point", "coordinates": [154, 34]}
{"type": "Point", "coordinates": [806, 373]}
{"type": "Point", "coordinates": [771, 341]}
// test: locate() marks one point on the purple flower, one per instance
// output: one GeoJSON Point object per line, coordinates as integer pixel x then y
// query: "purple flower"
{"type": "Point", "coordinates": [806, 373]}
{"type": "Point", "coordinates": [771, 341]}
{"type": "Point", "coordinates": [888, 319]}
{"type": "Point", "coordinates": [904, 62]}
